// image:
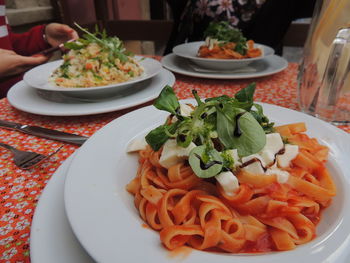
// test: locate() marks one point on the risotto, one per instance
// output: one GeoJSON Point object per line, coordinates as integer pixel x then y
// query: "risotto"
{"type": "Point", "coordinates": [96, 60]}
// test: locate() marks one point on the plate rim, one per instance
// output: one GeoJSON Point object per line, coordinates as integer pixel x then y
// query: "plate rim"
{"type": "Point", "coordinates": [172, 67]}
{"type": "Point", "coordinates": [46, 210]}
{"type": "Point", "coordinates": [276, 257]}
{"type": "Point", "coordinates": [19, 86]}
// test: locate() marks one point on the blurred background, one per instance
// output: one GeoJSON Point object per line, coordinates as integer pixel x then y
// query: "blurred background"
{"type": "Point", "coordinates": [144, 25]}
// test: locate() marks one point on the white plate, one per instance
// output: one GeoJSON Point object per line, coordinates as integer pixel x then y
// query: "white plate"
{"type": "Point", "coordinates": [190, 50]}
{"type": "Point", "coordinates": [38, 77]}
{"type": "Point", "coordinates": [104, 219]}
{"type": "Point", "coordinates": [264, 67]}
{"type": "Point", "coordinates": [51, 238]}
{"type": "Point", "coordinates": [53, 103]}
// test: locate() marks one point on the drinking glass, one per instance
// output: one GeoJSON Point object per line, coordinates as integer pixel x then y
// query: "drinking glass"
{"type": "Point", "coordinates": [324, 74]}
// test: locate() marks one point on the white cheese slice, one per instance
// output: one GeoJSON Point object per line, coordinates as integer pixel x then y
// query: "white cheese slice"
{"type": "Point", "coordinates": [255, 167]}
{"type": "Point", "coordinates": [273, 145]}
{"type": "Point", "coordinates": [282, 176]}
{"type": "Point", "coordinates": [137, 144]}
{"type": "Point", "coordinates": [173, 154]}
{"type": "Point", "coordinates": [290, 152]}
{"type": "Point", "coordinates": [228, 182]}
{"type": "Point", "coordinates": [185, 110]}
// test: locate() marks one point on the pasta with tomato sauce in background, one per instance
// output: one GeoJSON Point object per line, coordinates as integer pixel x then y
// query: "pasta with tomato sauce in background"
{"type": "Point", "coordinates": [224, 42]}
{"type": "Point", "coordinates": [221, 177]}
{"type": "Point", "coordinates": [227, 51]}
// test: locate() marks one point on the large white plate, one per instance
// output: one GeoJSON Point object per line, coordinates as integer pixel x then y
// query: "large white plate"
{"type": "Point", "coordinates": [190, 51]}
{"type": "Point", "coordinates": [104, 219]}
{"type": "Point", "coordinates": [260, 68]}
{"type": "Point", "coordinates": [51, 238]}
{"type": "Point", "coordinates": [38, 77]}
{"type": "Point", "coordinates": [53, 103]}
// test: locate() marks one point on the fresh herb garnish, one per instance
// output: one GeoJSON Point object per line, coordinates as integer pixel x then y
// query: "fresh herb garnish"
{"type": "Point", "coordinates": [112, 45]}
{"type": "Point", "coordinates": [212, 127]}
{"type": "Point", "coordinates": [224, 33]}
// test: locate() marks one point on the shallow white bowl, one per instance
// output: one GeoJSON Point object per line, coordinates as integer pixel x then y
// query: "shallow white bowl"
{"type": "Point", "coordinates": [190, 50]}
{"type": "Point", "coordinates": [104, 219]}
{"type": "Point", "coordinates": [38, 78]}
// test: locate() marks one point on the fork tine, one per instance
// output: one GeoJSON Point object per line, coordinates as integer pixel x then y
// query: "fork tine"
{"type": "Point", "coordinates": [35, 159]}
{"type": "Point", "coordinates": [30, 161]}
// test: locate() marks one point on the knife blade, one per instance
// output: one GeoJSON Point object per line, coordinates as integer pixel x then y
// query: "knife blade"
{"type": "Point", "coordinates": [44, 132]}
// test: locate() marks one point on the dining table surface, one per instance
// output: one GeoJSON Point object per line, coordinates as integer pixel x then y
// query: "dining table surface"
{"type": "Point", "coordinates": [20, 190]}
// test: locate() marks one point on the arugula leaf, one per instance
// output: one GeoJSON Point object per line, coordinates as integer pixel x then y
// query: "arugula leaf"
{"type": "Point", "coordinates": [167, 101]}
{"type": "Point", "coordinates": [113, 45]}
{"type": "Point", "coordinates": [73, 45]}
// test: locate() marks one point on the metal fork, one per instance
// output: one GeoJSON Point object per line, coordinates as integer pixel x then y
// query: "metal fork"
{"type": "Point", "coordinates": [26, 159]}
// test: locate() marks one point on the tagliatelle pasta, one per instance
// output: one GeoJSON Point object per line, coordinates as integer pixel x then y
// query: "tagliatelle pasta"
{"type": "Point", "coordinates": [262, 215]}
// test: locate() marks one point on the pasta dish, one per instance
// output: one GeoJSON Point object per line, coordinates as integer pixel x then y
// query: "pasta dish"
{"type": "Point", "coordinates": [225, 42]}
{"type": "Point", "coordinates": [219, 176]}
{"type": "Point", "coordinates": [95, 60]}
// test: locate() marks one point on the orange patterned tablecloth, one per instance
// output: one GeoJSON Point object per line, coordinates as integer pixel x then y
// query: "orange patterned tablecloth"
{"type": "Point", "coordinates": [20, 190]}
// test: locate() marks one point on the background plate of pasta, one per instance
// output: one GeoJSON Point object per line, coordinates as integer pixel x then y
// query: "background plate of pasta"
{"type": "Point", "coordinates": [180, 195]}
{"type": "Point", "coordinates": [191, 51]}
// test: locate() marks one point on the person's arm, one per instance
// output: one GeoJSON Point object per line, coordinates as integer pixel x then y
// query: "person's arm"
{"type": "Point", "coordinates": [30, 42]}
{"type": "Point", "coordinates": [14, 64]}
{"type": "Point", "coordinates": [41, 37]}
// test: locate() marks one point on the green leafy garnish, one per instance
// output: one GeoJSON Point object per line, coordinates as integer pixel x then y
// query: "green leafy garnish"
{"type": "Point", "coordinates": [205, 162]}
{"type": "Point", "coordinates": [248, 139]}
{"type": "Point", "coordinates": [217, 125]}
{"type": "Point", "coordinates": [113, 45]}
{"type": "Point", "coordinates": [167, 101]}
{"type": "Point", "coordinates": [223, 32]}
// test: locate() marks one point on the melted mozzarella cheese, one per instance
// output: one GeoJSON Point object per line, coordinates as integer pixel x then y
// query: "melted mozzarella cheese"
{"type": "Point", "coordinates": [137, 144]}
{"type": "Point", "coordinates": [173, 154]}
{"type": "Point", "coordinates": [228, 181]}
{"type": "Point", "coordinates": [290, 152]}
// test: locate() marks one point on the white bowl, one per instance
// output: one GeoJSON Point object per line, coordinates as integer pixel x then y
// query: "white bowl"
{"type": "Point", "coordinates": [38, 78]}
{"type": "Point", "coordinates": [190, 50]}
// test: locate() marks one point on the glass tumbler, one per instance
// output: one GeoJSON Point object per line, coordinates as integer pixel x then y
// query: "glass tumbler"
{"type": "Point", "coordinates": [324, 74]}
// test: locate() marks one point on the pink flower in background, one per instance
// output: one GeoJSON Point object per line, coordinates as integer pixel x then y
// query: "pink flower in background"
{"type": "Point", "coordinates": [202, 7]}
{"type": "Point", "coordinates": [223, 6]}
{"type": "Point", "coordinates": [233, 20]}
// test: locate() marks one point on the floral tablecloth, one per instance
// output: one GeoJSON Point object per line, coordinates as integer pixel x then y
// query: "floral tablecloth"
{"type": "Point", "coordinates": [20, 189]}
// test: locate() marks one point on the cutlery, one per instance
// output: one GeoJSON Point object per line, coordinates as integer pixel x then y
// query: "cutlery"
{"type": "Point", "coordinates": [54, 49]}
{"type": "Point", "coordinates": [26, 159]}
{"type": "Point", "coordinates": [44, 132]}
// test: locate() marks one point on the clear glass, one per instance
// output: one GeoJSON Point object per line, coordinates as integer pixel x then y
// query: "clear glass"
{"type": "Point", "coordinates": [324, 75]}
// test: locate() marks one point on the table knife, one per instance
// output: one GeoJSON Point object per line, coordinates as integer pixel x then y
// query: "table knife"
{"type": "Point", "coordinates": [44, 132]}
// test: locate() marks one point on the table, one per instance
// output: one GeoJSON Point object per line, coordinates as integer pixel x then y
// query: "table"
{"type": "Point", "coordinates": [20, 190]}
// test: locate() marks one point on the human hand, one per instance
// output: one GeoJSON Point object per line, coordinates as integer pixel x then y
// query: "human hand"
{"type": "Point", "coordinates": [13, 64]}
{"type": "Point", "coordinates": [58, 33]}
